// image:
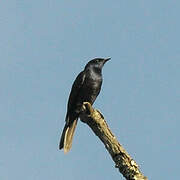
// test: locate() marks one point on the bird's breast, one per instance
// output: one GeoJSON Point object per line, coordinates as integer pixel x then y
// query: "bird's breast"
{"type": "Point", "coordinates": [93, 83]}
{"type": "Point", "coordinates": [91, 89]}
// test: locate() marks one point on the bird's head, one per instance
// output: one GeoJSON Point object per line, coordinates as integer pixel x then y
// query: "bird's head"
{"type": "Point", "coordinates": [96, 63]}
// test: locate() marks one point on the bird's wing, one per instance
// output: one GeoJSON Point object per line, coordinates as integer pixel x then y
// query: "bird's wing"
{"type": "Point", "coordinates": [76, 89]}
{"type": "Point", "coordinates": [71, 121]}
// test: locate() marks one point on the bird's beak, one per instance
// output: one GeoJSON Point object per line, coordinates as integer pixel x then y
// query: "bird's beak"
{"type": "Point", "coordinates": [105, 60]}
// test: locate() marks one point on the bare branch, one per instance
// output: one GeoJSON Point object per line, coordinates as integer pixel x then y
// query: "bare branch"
{"type": "Point", "coordinates": [126, 165]}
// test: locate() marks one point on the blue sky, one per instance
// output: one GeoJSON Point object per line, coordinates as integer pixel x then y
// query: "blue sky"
{"type": "Point", "coordinates": [45, 44]}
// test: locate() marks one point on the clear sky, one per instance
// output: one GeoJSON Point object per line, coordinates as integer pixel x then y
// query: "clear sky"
{"type": "Point", "coordinates": [44, 44]}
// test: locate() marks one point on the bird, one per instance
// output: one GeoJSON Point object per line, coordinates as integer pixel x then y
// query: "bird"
{"type": "Point", "coordinates": [85, 88]}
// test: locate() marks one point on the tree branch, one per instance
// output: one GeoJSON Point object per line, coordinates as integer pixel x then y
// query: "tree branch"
{"type": "Point", "coordinates": [126, 165]}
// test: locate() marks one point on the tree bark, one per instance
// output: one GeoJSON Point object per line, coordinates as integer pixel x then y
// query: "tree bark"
{"type": "Point", "coordinates": [126, 165]}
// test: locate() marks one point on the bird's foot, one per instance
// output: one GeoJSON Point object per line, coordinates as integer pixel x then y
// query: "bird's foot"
{"type": "Point", "coordinates": [87, 108]}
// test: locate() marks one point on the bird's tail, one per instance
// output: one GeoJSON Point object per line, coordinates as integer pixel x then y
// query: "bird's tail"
{"type": "Point", "coordinates": [67, 136]}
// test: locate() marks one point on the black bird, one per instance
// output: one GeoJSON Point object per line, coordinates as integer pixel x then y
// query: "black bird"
{"type": "Point", "coordinates": [85, 88]}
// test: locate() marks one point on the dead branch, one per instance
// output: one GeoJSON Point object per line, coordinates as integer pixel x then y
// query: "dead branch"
{"type": "Point", "coordinates": [126, 165]}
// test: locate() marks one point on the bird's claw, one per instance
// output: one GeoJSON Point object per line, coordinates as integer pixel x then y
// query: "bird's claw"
{"type": "Point", "coordinates": [88, 108]}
